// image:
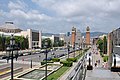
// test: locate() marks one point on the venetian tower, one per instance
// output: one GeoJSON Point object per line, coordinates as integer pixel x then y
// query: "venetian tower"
{"type": "Point", "coordinates": [87, 36]}
{"type": "Point", "coordinates": [73, 37]}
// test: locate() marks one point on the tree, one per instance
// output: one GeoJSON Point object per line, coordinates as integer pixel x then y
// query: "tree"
{"type": "Point", "coordinates": [61, 43]}
{"type": "Point", "coordinates": [104, 45]}
{"type": "Point", "coordinates": [0, 43]}
{"type": "Point", "coordinates": [22, 42]}
{"type": "Point", "coordinates": [48, 41]}
{"type": "Point", "coordinates": [100, 44]}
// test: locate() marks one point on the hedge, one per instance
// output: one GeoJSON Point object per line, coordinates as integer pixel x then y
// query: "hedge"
{"type": "Point", "coordinates": [105, 58]}
{"type": "Point", "coordinates": [66, 63]}
{"type": "Point", "coordinates": [55, 59]}
{"type": "Point", "coordinates": [43, 62]}
{"type": "Point", "coordinates": [72, 59]}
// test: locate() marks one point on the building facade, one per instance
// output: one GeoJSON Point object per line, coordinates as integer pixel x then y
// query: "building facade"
{"type": "Point", "coordinates": [34, 38]}
{"type": "Point", "coordinates": [78, 40]}
{"type": "Point", "coordinates": [53, 38]}
{"type": "Point", "coordinates": [113, 40]}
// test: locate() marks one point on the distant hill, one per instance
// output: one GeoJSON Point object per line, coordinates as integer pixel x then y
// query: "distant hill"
{"type": "Point", "coordinates": [92, 34]}
{"type": "Point", "coordinates": [49, 34]}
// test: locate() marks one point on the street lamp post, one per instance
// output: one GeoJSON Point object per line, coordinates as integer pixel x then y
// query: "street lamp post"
{"type": "Point", "coordinates": [68, 49]}
{"type": "Point", "coordinates": [74, 49]}
{"type": "Point", "coordinates": [31, 63]}
{"type": "Point", "coordinates": [11, 47]}
{"type": "Point", "coordinates": [46, 46]}
{"type": "Point", "coordinates": [79, 49]}
{"type": "Point", "coordinates": [12, 43]}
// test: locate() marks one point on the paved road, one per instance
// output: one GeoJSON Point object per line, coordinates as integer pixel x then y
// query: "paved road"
{"type": "Point", "coordinates": [99, 72]}
{"type": "Point", "coordinates": [27, 59]}
{"type": "Point", "coordinates": [36, 58]}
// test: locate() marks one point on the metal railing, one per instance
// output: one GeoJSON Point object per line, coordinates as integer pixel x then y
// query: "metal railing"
{"type": "Point", "coordinates": [79, 72]}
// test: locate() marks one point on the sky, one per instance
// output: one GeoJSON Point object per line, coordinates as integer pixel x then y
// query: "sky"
{"type": "Point", "coordinates": [59, 16]}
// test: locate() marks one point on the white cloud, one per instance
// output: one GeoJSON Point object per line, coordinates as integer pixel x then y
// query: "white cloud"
{"type": "Point", "coordinates": [30, 15]}
{"type": "Point", "coordinates": [19, 4]}
{"type": "Point", "coordinates": [98, 14]}
{"type": "Point", "coordinates": [72, 8]}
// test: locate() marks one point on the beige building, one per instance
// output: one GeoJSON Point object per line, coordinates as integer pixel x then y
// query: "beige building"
{"type": "Point", "coordinates": [34, 36]}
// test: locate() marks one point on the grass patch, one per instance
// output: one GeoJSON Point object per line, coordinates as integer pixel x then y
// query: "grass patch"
{"type": "Point", "coordinates": [55, 75]}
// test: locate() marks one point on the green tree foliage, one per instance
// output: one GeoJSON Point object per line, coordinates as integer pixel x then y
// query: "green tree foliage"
{"type": "Point", "coordinates": [58, 43]}
{"type": "Point", "coordinates": [61, 43]}
{"type": "Point", "coordinates": [105, 45]}
{"type": "Point", "coordinates": [102, 45]}
{"type": "Point", "coordinates": [2, 43]}
{"type": "Point", "coordinates": [48, 41]}
{"type": "Point", "coordinates": [55, 44]}
{"type": "Point", "coordinates": [20, 40]}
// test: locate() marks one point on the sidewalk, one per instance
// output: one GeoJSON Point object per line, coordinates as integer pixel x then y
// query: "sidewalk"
{"type": "Point", "coordinates": [99, 72]}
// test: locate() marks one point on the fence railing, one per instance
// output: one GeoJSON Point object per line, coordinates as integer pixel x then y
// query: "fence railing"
{"type": "Point", "coordinates": [78, 73]}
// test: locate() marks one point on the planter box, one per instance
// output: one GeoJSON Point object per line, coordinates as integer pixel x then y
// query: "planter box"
{"type": "Point", "coordinates": [89, 67]}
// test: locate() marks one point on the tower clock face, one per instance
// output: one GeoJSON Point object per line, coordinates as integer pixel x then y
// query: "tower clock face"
{"type": "Point", "coordinates": [88, 29]}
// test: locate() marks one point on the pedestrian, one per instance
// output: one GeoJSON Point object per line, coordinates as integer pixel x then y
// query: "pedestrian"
{"type": "Point", "coordinates": [102, 64]}
{"type": "Point", "coordinates": [7, 60]}
{"type": "Point", "coordinates": [95, 64]}
{"type": "Point", "coordinates": [39, 56]}
{"type": "Point", "coordinates": [106, 65]}
{"type": "Point", "coordinates": [99, 62]}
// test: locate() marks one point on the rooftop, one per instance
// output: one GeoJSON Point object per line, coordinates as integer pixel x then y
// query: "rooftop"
{"type": "Point", "coordinates": [9, 25]}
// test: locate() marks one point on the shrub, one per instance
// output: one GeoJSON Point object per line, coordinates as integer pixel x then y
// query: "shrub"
{"type": "Point", "coordinates": [85, 50]}
{"type": "Point", "coordinates": [43, 62]}
{"type": "Point", "coordinates": [105, 58]}
{"type": "Point", "coordinates": [55, 59]}
{"type": "Point", "coordinates": [66, 63]}
{"type": "Point", "coordinates": [72, 59]}
{"type": "Point", "coordinates": [101, 54]}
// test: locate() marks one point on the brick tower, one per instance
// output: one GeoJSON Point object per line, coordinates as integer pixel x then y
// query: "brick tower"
{"type": "Point", "coordinates": [87, 36]}
{"type": "Point", "coordinates": [73, 36]}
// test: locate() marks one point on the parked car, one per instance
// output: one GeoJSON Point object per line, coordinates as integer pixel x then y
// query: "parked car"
{"type": "Point", "coordinates": [37, 52]}
{"type": "Point", "coordinates": [48, 59]}
{"type": "Point", "coordinates": [4, 57]}
{"type": "Point", "coordinates": [25, 54]}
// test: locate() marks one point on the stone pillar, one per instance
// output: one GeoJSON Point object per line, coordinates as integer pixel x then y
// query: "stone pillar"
{"type": "Point", "coordinates": [30, 38]}
{"type": "Point", "coordinates": [40, 38]}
